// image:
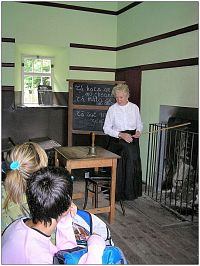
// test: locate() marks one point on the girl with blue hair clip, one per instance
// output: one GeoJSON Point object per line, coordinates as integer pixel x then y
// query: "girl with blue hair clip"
{"type": "Point", "coordinates": [23, 161]}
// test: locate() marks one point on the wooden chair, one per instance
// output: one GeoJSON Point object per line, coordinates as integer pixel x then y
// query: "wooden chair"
{"type": "Point", "coordinates": [99, 181]}
{"type": "Point", "coordinates": [96, 184]}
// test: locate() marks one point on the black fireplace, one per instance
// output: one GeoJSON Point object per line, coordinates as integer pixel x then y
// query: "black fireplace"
{"type": "Point", "coordinates": [172, 161]}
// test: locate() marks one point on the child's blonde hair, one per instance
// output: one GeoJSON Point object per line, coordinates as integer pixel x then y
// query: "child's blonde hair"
{"type": "Point", "coordinates": [30, 157]}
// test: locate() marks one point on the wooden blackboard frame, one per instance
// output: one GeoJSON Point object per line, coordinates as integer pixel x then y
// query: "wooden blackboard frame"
{"type": "Point", "coordinates": [72, 107]}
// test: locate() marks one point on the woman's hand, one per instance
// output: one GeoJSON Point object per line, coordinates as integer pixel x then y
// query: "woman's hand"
{"type": "Point", "coordinates": [125, 136]}
{"type": "Point", "coordinates": [137, 135]}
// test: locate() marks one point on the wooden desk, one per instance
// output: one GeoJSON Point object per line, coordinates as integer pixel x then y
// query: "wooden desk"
{"type": "Point", "coordinates": [77, 157]}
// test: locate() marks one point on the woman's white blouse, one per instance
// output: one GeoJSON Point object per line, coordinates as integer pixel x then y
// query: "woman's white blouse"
{"type": "Point", "coordinates": [120, 118]}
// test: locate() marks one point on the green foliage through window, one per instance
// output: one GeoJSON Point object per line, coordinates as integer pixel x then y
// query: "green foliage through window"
{"type": "Point", "coordinates": [36, 71]}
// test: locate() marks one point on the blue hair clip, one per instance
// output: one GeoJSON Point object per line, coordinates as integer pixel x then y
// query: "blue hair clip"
{"type": "Point", "coordinates": [14, 165]}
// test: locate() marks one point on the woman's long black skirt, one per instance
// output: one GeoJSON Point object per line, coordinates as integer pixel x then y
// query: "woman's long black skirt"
{"type": "Point", "coordinates": [129, 171]}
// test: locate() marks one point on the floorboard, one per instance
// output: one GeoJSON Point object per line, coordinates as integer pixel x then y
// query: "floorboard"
{"type": "Point", "coordinates": [150, 234]}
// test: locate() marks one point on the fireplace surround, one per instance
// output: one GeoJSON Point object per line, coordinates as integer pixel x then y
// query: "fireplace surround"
{"type": "Point", "coordinates": [172, 161]}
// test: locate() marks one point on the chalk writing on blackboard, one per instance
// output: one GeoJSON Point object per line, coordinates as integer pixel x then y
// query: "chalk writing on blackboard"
{"type": "Point", "coordinates": [93, 94]}
{"type": "Point", "coordinates": [91, 120]}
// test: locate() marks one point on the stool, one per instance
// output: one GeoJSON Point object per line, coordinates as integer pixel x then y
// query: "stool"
{"type": "Point", "coordinates": [92, 184]}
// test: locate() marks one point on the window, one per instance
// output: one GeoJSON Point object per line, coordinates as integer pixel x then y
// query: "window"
{"type": "Point", "coordinates": [35, 71]}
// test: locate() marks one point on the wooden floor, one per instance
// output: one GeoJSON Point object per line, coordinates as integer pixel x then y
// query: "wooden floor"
{"type": "Point", "coordinates": [150, 234]}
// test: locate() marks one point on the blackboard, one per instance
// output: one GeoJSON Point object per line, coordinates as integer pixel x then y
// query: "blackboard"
{"type": "Point", "coordinates": [92, 120]}
{"type": "Point", "coordinates": [93, 94]}
{"type": "Point", "coordinates": [88, 103]}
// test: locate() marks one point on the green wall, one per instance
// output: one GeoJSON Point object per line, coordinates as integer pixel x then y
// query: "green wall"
{"type": "Point", "coordinates": [60, 65]}
{"type": "Point", "coordinates": [49, 31]}
{"type": "Point", "coordinates": [174, 86]}
{"type": "Point", "coordinates": [109, 5]}
{"type": "Point", "coordinates": [153, 18]}
{"type": "Point", "coordinates": [39, 29]}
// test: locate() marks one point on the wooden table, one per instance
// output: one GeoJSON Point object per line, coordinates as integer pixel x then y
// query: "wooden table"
{"type": "Point", "coordinates": [77, 157]}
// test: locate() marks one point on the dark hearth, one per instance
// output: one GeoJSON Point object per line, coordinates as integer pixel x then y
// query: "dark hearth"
{"type": "Point", "coordinates": [172, 167]}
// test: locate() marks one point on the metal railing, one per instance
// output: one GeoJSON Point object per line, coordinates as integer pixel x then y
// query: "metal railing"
{"type": "Point", "coordinates": [172, 169]}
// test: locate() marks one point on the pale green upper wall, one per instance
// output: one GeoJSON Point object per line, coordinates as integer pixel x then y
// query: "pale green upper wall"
{"type": "Point", "coordinates": [173, 87]}
{"type": "Point", "coordinates": [8, 76]}
{"type": "Point", "coordinates": [51, 30]}
{"type": "Point", "coordinates": [175, 48]}
{"type": "Point", "coordinates": [105, 5]}
{"type": "Point", "coordinates": [9, 55]}
{"type": "Point", "coordinates": [92, 58]}
{"type": "Point", "coordinates": [152, 18]}
{"type": "Point", "coordinates": [169, 86]}
{"type": "Point", "coordinates": [30, 23]}
{"type": "Point", "coordinates": [91, 75]}
{"type": "Point", "coordinates": [36, 27]}
{"type": "Point", "coordinates": [122, 4]}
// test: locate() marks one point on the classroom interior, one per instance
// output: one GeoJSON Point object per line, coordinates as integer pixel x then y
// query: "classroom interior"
{"type": "Point", "coordinates": [153, 46]}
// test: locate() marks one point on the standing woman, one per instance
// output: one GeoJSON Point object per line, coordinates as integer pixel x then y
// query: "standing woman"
{"type": "Point", "coordinates": [123, 125]}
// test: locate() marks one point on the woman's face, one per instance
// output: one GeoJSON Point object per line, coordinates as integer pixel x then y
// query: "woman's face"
{"type": "Point", "coordinates": [121, 98]}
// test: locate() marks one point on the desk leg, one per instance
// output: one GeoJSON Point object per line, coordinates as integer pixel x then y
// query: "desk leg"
{"type": "Point", "coordinates": [112, 192]}
{"type": "Point", "coordinates": [56, 159]}
{"type": "Point", "coordinates": [78, 195]}
{"type": "Point", "coordinates": [68, 166]}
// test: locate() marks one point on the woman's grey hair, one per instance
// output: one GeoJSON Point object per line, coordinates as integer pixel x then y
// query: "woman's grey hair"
{"type": "Point", "coordinates": [121, 88]}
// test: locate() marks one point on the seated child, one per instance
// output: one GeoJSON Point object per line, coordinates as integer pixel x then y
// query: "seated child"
{"type": "Point", "coordinates": [27, 240]}
{"type": "Point", "coordinates": [21, 162]}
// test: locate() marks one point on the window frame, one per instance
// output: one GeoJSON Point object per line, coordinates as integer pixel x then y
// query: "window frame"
{"type": "Point", "coordinates": [23, 74]}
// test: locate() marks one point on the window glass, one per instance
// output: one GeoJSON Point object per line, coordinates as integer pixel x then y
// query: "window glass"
{"type": "Point", "coordinates": [35, 71]}
{"type": "Point", "coordinates": [37, 66]}
{"type": "Point", "coordinates": [46, 67]}
{"type": "Point", "coordinates": [28, 65]}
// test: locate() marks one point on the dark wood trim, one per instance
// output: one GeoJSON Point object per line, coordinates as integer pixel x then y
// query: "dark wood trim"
{"type": "Point", "coordinates": [95, 81]}
{"type": "Point", "coordinates": [86, 9]}
{"type": "Point", "coordinates": [7, 88]}
{"type": "Point", "coordinates": [8, 40]}
{"type": "Point", "coordinates": [140, 42]}
{"type": "Point", "coordinates": [59, 5]}
{"type": "Point", "coordinates": [88, 46]}
{"type": "Point", "coordinates": [124, 9]}
{"type": "Point", "coordinates": [160, 37]}
{"type": "Point", "coordinates": [7, 64]}
{"type": "Point", "coordinates": [169, 64]}
{"type": "Point", "coordinates": [100, 69]}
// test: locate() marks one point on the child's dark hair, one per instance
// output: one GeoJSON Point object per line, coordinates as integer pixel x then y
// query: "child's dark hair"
{"type": "Point", "coordinates": [49, 193]}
